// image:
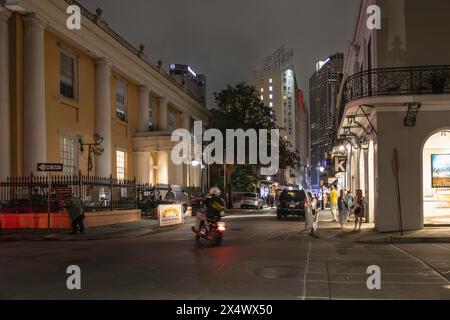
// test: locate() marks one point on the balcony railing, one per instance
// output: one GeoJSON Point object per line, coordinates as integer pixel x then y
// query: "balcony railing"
{"type": "Point", "coordinates": [397, 82]}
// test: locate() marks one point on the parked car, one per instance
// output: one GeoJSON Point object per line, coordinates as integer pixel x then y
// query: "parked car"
{"type": "Point", "coordinates": [251, 200]}
{"type": "Point", "coordinates": [293, 202]}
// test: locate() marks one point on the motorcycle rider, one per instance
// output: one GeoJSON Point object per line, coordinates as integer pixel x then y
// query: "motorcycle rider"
{"type": "Point", "coordinates": [213, 207]}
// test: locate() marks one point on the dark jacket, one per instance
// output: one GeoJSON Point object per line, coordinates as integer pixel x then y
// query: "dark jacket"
{"type": "Point", "coordinates": [214, 205]}
{"type": "Point", "coordinates": [75, 207]}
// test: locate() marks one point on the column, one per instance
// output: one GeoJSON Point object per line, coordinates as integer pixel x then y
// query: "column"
{"type": "Point", "coordinates": [163, 167]}
{"type": "Point", "coordinates": [186, 121]}
{"type": "Point", "coordinates": [142, 165]}
{"type": "Point", "coordinates": [144, 102]}
{"type": "Point", "coordinates": [34, 111]}
{"type": "Point", "coordinates": [103, 115]}
{"type": "Point", "coordinates": [162, 108]}
{"type": "Point", "coordinates": [5, 129]}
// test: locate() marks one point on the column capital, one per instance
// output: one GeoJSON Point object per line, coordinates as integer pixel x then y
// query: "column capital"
{"type": "Point", "coordinates": [35, 21]}
{"type": "Point", "coordinates": [103, 62]}
{"type": "Point", "coordinates": [5, 14]}
{"type": "Point", "coordinates": [143, 89]}
{"type": "Point", "coordinates": [163, 100]}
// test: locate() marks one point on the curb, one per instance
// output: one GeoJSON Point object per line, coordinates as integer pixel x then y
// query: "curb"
{"type": "Point", "coordinates": [107, 236]}
{"type": "Point", "coordinates": [407, 240]}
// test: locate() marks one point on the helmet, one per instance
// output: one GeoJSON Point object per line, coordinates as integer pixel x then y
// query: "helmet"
{"type": "Point", "coordinates": [215, 191]}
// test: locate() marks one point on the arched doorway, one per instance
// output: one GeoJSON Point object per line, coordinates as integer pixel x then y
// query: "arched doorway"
{"type": "Point", "coordinates": [436, 179]}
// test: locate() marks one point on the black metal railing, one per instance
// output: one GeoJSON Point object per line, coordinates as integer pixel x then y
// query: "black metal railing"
{"type": "Point", "coordinates": [27, 194]}
{"type": "Point", "coordinates": [397, 81]}
{"type": "Point", "coordinates": [30, 194]}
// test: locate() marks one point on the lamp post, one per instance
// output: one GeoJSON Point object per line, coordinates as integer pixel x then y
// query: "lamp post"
{"type": "Point", "coordinates": [321, 170]}
{"type": "Point", "coordinates": [194, 164]}
{"type": "Point", "coordinates": [94, 148]}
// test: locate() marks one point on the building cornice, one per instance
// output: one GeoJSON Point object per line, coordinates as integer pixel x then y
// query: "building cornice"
{"type": "Point", "coordinates": [96, 43]}
{"type": "Point", "coordinates": [5, 14]}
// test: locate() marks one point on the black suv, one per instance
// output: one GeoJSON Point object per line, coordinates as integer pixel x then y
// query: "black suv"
{"type": "Point", "coordinates": [293, 202]}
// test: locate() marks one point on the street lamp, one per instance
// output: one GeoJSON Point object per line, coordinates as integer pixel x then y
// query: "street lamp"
{"type": "Point", "coordinates": [195, 163]}
{"type": "Point", "coordinates": [94, 148]}
{"type": "Point", "coordinates": [322, 169]}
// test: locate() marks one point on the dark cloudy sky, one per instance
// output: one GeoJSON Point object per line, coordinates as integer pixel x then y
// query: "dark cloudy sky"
{"type": "Point", "coordinates": [227, 39]}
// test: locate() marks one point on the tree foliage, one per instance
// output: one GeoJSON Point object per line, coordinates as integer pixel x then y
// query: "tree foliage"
{"type": "Point", "coordinates": [240, 107]}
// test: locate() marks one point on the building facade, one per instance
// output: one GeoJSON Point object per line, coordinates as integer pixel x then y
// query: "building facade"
{"type": "Point", "coordinates": [323, 86]}
{"type": "Point", "coordinates": [59, 87]}
{"type": "Point", "coordinates": [394, 114]}
{"type": "Point", "coordinates": [278, 89]}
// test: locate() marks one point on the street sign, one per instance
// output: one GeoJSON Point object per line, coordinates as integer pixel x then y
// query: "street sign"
{"type": "Point", "coordinates": [50, 167]}
{"type": "Point", "coordinates": [340, 164]}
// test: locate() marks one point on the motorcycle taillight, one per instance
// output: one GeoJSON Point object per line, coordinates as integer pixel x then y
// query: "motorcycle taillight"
{"type": "Point", "coordinates": [221, 227]}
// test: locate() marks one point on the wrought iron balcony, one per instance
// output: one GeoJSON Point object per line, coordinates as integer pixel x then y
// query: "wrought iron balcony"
{"type": "Point", "coordinates": [397, 82]}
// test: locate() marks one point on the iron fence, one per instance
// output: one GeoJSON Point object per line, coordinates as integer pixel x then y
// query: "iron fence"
{"type": "Point", "coordinates": [29, 194]}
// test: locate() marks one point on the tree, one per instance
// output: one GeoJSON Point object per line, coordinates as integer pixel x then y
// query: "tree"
{"type": "Point", "coordinates": [240, 107]}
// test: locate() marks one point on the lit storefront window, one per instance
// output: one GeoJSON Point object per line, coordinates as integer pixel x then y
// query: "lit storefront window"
{"type": "Point", "coordinates": [120, 164]}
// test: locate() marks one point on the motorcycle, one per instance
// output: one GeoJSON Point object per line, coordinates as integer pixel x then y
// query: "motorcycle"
{"type": "Point", "coordinates": [211, 231]}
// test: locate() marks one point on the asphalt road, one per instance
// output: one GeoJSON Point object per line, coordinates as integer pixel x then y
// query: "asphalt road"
{"type": "Point", "coordinates": [261, 258]}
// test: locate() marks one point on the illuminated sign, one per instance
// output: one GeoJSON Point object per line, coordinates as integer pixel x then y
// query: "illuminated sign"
{"type": "Point", "coordinates": [440, 170]}
{"type": "Point", "coordinates": [192, 71]}
{"type": "Point", "coordinates": [170, 214]}
{"type": "Point", "coordinates": [320, 64]}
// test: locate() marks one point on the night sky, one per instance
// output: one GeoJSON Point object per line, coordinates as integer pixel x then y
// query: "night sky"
{"type": "Point", "coordinates": [227, 39]}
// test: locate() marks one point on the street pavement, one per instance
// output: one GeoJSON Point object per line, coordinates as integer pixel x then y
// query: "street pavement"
{"type": "Point", "coordinates": [261, 258]}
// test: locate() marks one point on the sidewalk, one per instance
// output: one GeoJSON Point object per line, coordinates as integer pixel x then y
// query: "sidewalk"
{"type": "Point", "coordinates": [368, 234]}
{"type": "Point", "coordinates": [116, 231]}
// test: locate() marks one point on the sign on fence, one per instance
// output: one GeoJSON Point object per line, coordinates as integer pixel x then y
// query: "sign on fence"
{"type": "Point", "coordinates": [62, 192]}
{"type": "Point", "coordinates": [50, 167]}
{"type": "Point", "coordinates": [170, 214]}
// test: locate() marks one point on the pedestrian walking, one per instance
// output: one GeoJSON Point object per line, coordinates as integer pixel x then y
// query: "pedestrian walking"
{"type": "Point", "coordinates": [76, 213]}
{"type": "Point", "coordinates": [360, 208]}
{"type": "Point", "coordinates": [170, 196]}
{"type": "Point", "coordinates": [184, 200]}
{"type": "Point", "coordinates": [350, 200]}
{"type": "Point", "coordinates": [334, 203]}
{"type": "Point", "coordinates": [343, 208]}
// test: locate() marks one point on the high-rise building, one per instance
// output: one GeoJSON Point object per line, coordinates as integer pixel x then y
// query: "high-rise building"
{"type": "Point", "coordinates": [324, 87]}
{"type": "Point", "coordinates": [278, 89]}
{"type": "Point", "coordinates": [194, 83]}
